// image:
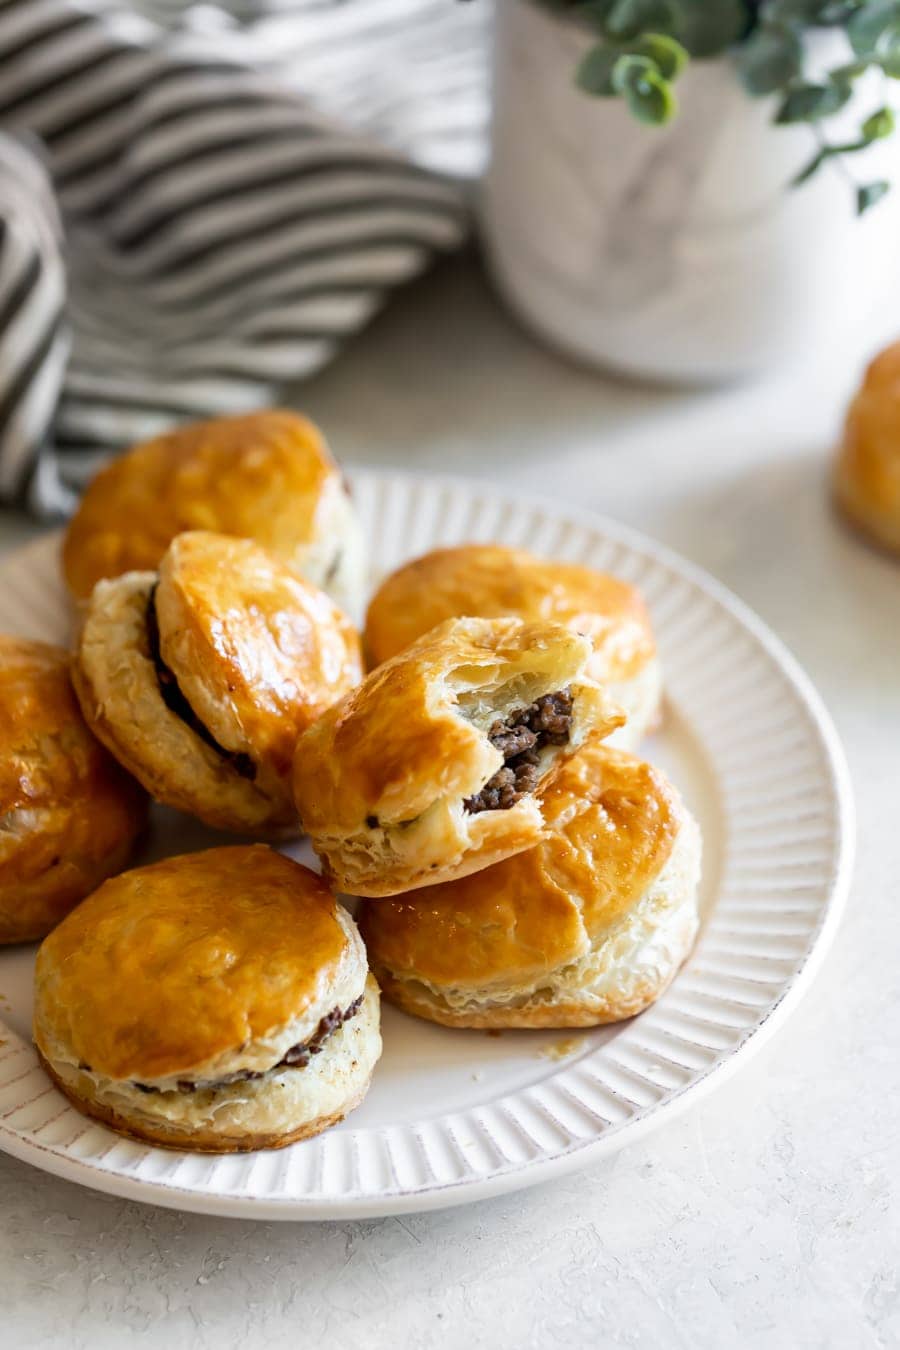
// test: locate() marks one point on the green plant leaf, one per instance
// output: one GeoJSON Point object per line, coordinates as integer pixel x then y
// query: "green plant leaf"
{"type": "Point", "coordinates": [594, 71]}
{"type": "Point", "coordinates": [890, 63]}
{"type": "Point", "coordinates": [810, 102]}
{"type": "Point", "coordinates": [648, 95]}
{"type": "Point", "coordinates": [703, 28]}
{"type": "Point", "coordinates": [838, 11]}
{"type": "Point", "coordinates": [847, 74]}
{"type": "Point", "coordinates": [875, 27]}
{"type": "Point", "coordinates": [594, 13]}
{"type": "Point", "coordinates": [811, 168]}
{"type": "Point", "coordinates": [629, 70]}
{"type": "Point", "coordinates": [708, 27]}
{"type": "Point", "coordinates": [652, 101]}
{"type": "Point", "coordinates": [819, 12]}
{"type": "Point", "coordinates": [870, 193]}
{"type": "Point", "coordinates": [879, 125]}
{"type": "Point", "coordinates": [631, 18]}
{"type": "Point", "coordinates": [668, 55]}
{"type": "Point", "coordinates": [769, 59]}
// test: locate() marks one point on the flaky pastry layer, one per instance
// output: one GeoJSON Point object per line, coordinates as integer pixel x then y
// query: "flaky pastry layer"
{"type": "Point", "coordinates": [383, 779]}
{"type": "Point", "coordinates": [280, 1108]}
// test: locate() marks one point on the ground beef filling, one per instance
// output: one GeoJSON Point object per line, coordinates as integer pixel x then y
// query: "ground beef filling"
{"type": "Point", "coordinates": [296, 1058]}
{"type": "Point", "coordinates": [520, 738]}
{"type": "Point", "coordinates": [176, 702]}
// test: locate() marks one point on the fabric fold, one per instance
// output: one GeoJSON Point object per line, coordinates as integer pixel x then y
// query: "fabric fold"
{"type": "Point", "coordinates": [239, 187]}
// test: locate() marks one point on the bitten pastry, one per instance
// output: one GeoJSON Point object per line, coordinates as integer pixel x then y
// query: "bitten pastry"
{"type": "Point", "coordinates": [218, 1001]}
{"type": "Point", "coordinates": [488, 581]}
{"type": "Point", "coordinates": [867, 473]}
{"type": "Point", "coordinates": [200, 678]}
{"type": "Point", "coordinates": [267, 476]}
{"type": "Point", "coordinates": [588, 927]}
{"type": "Point", "coordinates": [428, 770]}
{"type": "Point", "coordinates": [68, 814]}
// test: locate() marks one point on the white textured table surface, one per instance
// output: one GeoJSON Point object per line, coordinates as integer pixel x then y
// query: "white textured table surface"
{"type": "Point", "coordinates": [769, 1215]}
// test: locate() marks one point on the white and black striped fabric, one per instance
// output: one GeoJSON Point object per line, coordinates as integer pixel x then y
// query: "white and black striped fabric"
{"type": "Point", "coordinates": [239, 187]}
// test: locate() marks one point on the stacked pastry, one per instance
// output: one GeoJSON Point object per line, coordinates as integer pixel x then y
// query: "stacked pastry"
{"type": "Point", "coordinates": [517, 864]}
{"type": "Point", "coordinates": [221, 1000]}
{"type": "Point", "coordinates": [521, 866]}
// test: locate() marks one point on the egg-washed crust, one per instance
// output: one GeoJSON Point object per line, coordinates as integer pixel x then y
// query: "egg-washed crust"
{"type": "Point", "coordinates": [258, 652]}
{"type": "Point", "coordinates": [196, 967]}
{"type": "Point", "coordinates": [622, 975]}
{"type": "Point", "coordinates": [489, 581]}
{"type": "Point", "coordinates": [267, 476]}
{"type": "Point", "coordinates": [69, 815]}
{"type": "Point", "coordinates": [117, 686]}
{"type": "Point", "coordinates": [381, 778]}
{"type": "Point", "coordinates": [867, 471]}
{"type": "Point", "coordinates": [280, 1109]}
{"type": "Point", "coordinates": [612, 822]}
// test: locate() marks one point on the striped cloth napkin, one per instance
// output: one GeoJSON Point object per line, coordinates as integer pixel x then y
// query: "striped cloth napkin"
{"type": "Point", "coordinates": [200, 202]}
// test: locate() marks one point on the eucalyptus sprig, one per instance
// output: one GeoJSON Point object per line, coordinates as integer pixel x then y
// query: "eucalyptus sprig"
{"type": "Point", "coordinates": [643, 46]}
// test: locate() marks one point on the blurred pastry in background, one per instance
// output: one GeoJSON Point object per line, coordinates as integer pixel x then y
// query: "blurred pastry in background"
{"type": "Point", "coordinates": [489, 581]}
{"type": "Point", "coordinates": [200, 678]}
{"type": "Point", "coordinates": [219, 1001]}
{"type": "Point", "coordinates": [867, 473]}
{"type": "Point", "coordinates": [267, 476]}
{"type": "Point", "coordinates": [588, 927]}
{"type": "Point", "coordinates": [430, 768]}
{"type": "Point", "coordinates": [69, 815]}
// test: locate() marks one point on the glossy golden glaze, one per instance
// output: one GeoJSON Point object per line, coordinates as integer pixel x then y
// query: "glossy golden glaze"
{"type": "Point", "coordinates": [258, 652]}
{"type": "Point", "coordinates": [68, 814]}
{"type": "Point", "coordinates": [867, 473]}
{"type": "Point", "coordinates": [398, 742]}
{"type": "Point", "coordinates": [166, 967]}
{"type": "Point", "coordinates": [488, 581]}
{"type": "Point", "coordinates": [613, 821]}
{"type": "Point", "coordinates": [261, 476]}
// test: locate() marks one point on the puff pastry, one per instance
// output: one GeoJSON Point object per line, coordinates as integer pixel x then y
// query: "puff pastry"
{"type": "Point", "coordinates": [427, 770]}
{"type": "Point", "coordinates": [267, 476]}
{"type": "Point", "coordinates": [487, 581]}
{"type": "Point", "coordinates": [69, 815]}
{"type": "Point", "coordinates": [200, 678]}
{"type": "Point", "coordinates": [867, 473]}
{"type": "Point", "coordinates": [588, 927]}
{"type": "Point", "coordinates": [219, 1001]}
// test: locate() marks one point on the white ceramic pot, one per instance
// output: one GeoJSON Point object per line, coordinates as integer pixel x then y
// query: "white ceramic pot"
{"type": "Point", "coordinates": [676, 252]}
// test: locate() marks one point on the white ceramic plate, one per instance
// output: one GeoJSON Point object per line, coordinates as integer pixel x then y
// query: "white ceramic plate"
{"type": "Point", "coordinates": [459, 1115]}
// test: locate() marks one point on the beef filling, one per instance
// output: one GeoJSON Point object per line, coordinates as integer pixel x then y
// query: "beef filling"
{"type": "Point", "coordinates": [520, 737]}
{"type": "Point", "coordinates": [297, 1057]}
{"type": "Point", "coordinates": [176, 702]}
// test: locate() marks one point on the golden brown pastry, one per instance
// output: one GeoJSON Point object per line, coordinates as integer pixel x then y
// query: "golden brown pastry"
{"type": "Point", "coordinates": [588, 927]}
{"type": "Point", "coordinates": [867, 474]}
{"type": "Point", "coordinates": [488, 581]}
{"type": "Point", "coordinates": [68, 814]}
{"type": "Point", "coordinates": [219, 1001]}
{"type": "Point", "coordinates": [428, 769]}
{"type": "Point", "coordinates": [266, 476]}
{"type": "Point", "coordinates": [200, 678]}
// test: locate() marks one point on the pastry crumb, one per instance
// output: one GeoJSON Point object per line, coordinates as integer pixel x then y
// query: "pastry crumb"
{"type": "Point", "coordinates": [561, 1049]}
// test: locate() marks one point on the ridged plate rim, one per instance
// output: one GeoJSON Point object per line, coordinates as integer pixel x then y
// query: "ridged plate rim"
{"type": "Point", "coordinates": [637, 554]}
